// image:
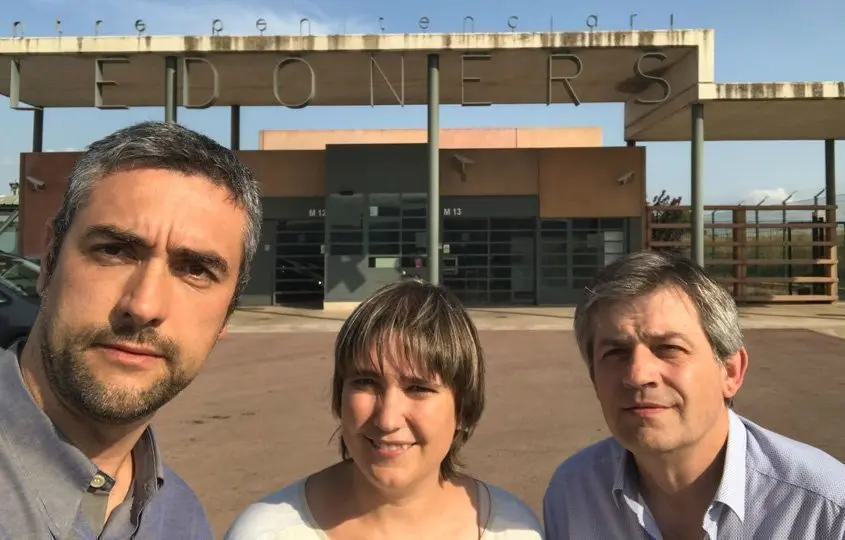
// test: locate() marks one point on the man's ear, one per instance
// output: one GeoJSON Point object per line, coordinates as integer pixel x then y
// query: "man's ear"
{"type": "Point", "coordinates": [223, 332]}
{"type": "Point", "coordinates": [47, 241]}
{"type": "Point", "coordinates": [735, 368]}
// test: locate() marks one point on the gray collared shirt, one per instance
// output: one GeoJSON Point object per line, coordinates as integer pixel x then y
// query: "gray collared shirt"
{"type": "Point", "coordinates": [772, 487]}
{"type": "Point", "coordinates": [50, 490]}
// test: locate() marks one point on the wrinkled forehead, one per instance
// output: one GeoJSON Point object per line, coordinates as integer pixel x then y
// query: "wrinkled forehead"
{"type": "Point", "coordinates": [666, 311]}
{"type": "Point", "coordinates": [155, 205]}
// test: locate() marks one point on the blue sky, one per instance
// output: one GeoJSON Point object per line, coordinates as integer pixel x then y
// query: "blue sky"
{"type": "Point", "coordinates": [776, 40]}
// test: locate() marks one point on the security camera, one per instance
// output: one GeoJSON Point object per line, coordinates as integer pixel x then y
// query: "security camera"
{"type": "Point", "coordinates": [463, 160]}
{"type": "Point", "coordinates": [36, 184]}
{"type": "Point", "coordinates": [625, 178]}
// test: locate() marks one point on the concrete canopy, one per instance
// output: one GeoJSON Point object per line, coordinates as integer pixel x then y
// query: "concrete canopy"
{"type": "Point", "coordinates": [60, 71]}
{"type": "Point", "coordinates": [775, 111]}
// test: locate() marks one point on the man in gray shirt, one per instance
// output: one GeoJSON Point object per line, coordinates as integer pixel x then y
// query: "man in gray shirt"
{"type": "Point", "coordinates": [146, 260]}
{"type": "Point", "coordinates": [664, 350]}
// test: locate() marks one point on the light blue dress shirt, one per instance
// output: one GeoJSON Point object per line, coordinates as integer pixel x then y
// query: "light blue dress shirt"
{"type": "Point", "coordinates": [772, 488]}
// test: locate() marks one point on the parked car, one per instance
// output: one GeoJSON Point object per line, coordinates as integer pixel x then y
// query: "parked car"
{"type": "Point", "coordinates": [19, 300]}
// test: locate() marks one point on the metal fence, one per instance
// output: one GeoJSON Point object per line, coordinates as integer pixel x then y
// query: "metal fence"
{"type": "Point", "coordinates": [774, 243]}
{"type": "Point", "coordinates": [765, 252]}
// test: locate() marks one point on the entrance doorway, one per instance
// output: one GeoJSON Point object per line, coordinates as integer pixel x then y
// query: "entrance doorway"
{"type": "Point", "coordinates": [572, 251]}
{"type": "Point", "coordinates": [300, 262]}
{"type": "Point", "coordinates": [489, 261]}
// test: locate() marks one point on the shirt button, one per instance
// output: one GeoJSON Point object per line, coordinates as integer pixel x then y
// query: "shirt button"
{"type": "Point", "coordinates": [98, 481]}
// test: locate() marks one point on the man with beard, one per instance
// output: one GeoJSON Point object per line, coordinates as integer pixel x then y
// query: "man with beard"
{"type": "Point", "coordinates": [146, 260]}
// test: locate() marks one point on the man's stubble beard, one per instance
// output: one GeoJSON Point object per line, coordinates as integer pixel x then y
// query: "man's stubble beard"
{"type": "Point", "coordinates": [74, 382]}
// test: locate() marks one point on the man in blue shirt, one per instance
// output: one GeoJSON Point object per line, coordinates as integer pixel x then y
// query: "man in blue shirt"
{"type": "Point", "coordinates": [664, 350]}
{"type": "Point", "coordinates": [146, 260]}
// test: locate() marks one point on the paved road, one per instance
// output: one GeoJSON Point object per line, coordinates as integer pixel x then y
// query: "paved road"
{"type": "Point", "coordinates": [258, 416]}
{"type": "Point", "coordinates": [824, 318]}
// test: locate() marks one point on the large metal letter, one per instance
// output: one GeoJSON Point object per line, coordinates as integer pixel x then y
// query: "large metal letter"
{"type": "Point", "coordinates": [15, 87]}
{"type": "Point", "coordinates": [374, 64]}
{"type": "Point", "coordinates": [638, 69]}
{"type": "Point", "coordinates": [276, 72]}
{"type": "Point", "coordinates": [100, 82]}
{"type": "Point", "coordinates": [465, 79]}
{"type": "Point", "coordinates": [186, 83]}
{"type": "Point", "coordinates": [697, 181]}
{"type": "Point", "coordinates": [170, 89]}
{"type": "Point", "coordinates": [565, 80]}
{"type": "Point", "coordinates": [433, 249]}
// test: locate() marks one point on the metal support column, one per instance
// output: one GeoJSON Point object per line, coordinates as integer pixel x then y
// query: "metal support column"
{"type": "Point", "coordinates": [630, 144]}
{"type": "Point", "coordinates": [236, 127]}
{"type": "Point", "coordinates": [830, 177]}
{"type": "Point", "coordinates": [434, 168]}
{"type": "Point", "coordinates": [697, 179]}
{"type": "Point", "coordinates": [170, 89]}
{"type": "Point", "coordinates": [38, 130]}
{"type": "Point", "coordinates": [830, 213]}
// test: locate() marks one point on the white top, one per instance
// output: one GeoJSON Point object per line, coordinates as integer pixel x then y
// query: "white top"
{"type": "Point", "coordinates": [285, 515]}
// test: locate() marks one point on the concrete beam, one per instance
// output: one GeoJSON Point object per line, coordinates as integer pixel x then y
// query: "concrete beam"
{"type": "Point", "coordinates": [777, 111]}
{"type": "Point", "coordinates": [356, 69]}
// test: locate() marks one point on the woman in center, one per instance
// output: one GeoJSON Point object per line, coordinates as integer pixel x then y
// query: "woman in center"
{"type": "Point", "coordinates": [408, 391]}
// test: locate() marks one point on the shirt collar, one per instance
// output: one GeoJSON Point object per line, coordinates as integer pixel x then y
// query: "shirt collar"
{"type": "Point", "coordinates": [626, 478]}
{"type": "Point", "coordinates": [731, 490]}
{"type": "Point", "coordinates": [56, 470]}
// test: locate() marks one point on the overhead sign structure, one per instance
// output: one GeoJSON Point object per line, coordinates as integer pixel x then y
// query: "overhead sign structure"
{"type": "Point", "coordinates": [664, 78]}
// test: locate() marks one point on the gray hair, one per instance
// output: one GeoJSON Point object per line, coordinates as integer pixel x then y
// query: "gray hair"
{"type": "Point", "coordinates": [168, 146]}
{"type": "Point", "coordinates": [639, 274]}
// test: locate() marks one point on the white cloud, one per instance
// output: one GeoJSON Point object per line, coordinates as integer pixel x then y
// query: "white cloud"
{"type": "Point", "coordinates": [772, 195]}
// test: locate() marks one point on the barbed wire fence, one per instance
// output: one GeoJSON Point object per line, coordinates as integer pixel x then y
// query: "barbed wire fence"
{"type": "Point", "coordinates": [766, 214]}
{"type": "Point", "coordinates": [772, 242]}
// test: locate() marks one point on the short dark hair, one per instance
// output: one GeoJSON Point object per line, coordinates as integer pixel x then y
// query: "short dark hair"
{"type": "Point", "coordinates": [436, 335]}
{"type": "Point", "coordinates": [167, 146]}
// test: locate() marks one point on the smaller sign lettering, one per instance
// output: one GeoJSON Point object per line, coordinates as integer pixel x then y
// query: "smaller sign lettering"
{"type": "Point", "coordinates": [317, 212]}
{"type": "Point", "coordinates": [452, 212]}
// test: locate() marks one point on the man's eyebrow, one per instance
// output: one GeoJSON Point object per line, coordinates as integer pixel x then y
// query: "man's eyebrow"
{"type": "Point", "coordinates": [116, 233]}
{"type": "Point", "coordinates": [667, 336]}
{"type": "Point", "coordinates": [212, 259]}
{"type": "Point", "coordinates": [623, 341]}
{"type": "Point", "coordinates": [615, 341]}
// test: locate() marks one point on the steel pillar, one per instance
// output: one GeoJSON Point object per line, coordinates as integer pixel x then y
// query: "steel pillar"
{"type": "Point", "coordinates": [38, 130]}
{"type": "Point", "coordinates": [434, 169]}
{"type": "Point", "coordinates": [170, 89]}
{"type": "Point", "coordinates": [830, 174]}
{"type": "Point", "coordinates": [697, 180]}
{"type": "Point", "coordinates": [830, 201]}
{"type": "Point", "coordinates": [236, 127]}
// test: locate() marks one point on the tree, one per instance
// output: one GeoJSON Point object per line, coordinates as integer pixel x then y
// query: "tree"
{"type": "Point", "coordinates": [668, 216]}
